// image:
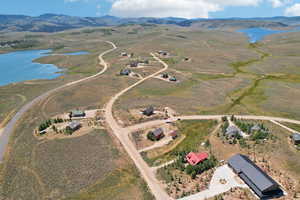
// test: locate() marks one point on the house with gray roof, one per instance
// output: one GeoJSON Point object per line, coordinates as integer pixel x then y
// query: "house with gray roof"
{"type": "Point", "coordinates": [125, 72]}
{"type": "Point", "coordinates": [158, 133]}
{"type": "Point", "coordinates": [259, 182]}
{"type": "Point", "coordinates": [232, 131]}
{"type": "Point", "coordinates": [77, 113]}
{"type": "Point", "coordinates": [149, 111]}
{"type": "Point", "coordinates": [74, 125]}
{"type": "Point", "coordinates": [296, 138]}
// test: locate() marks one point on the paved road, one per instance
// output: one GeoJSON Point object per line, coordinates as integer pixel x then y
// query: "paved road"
{"type": "Point", "coordinates": [123, 135]}
{"type": "Point", "coordinates": [4, 137]}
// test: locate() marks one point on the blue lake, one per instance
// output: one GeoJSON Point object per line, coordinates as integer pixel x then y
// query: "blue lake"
{"type": "Point", "coordinates": [258, 34]}
{"type": "Point", "coordinates": [19, 66]}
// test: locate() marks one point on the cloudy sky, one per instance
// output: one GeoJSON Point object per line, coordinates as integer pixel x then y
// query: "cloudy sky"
{"type": "Point", "coordinates": [155, 8]}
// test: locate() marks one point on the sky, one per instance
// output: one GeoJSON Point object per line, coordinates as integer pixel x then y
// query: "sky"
{"type": "Point", "coordinates": [154, 8]}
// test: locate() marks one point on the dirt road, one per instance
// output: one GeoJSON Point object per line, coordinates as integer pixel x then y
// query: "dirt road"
{"type": "Point", "coordinates": [4, 137]}
{"type": "Point", "coordinates": [208, 117]}
{"type": "Point", "coordinates": [123, 135]}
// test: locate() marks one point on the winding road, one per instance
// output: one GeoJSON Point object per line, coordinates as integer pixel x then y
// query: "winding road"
{"type": "Point", "coordinates": [9, 128]}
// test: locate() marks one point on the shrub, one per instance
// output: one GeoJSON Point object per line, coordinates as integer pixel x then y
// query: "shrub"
{"type": "Point", "coordinates": [151, 136]}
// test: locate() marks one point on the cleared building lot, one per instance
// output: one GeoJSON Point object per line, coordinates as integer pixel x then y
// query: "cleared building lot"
{"type": "Point", "coordinates": [223, 175]}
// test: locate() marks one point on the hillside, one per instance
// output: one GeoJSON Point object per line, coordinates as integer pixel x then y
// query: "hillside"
{"type": "Point", "coordinates": [55, 23]}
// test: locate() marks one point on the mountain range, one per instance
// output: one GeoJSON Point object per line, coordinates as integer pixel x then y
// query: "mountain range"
{"type": "Point", "coordinates": [56, 22]}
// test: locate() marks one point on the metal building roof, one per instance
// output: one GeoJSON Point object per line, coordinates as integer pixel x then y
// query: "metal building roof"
{"type": "Point", "coordinates": [257, 179]}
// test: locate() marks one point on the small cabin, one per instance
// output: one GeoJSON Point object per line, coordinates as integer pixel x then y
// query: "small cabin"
{"type": "Point", "coordinates": [74, 125]}
{"type": "Point", "coordinates": [149, 111]}
{"type": "Point", "coordinates": [77, 113]}
{"type": "Point", "coordinates": [125, 72]}
{"type": "Point", "coordinates": [232, 131]}
{"type": "Point", "coordinates": [173, 79]}
{"type": "Point", "coordinates": [158, 133]}
{"type": "Point", "coordinates": [296, 138]}
{"type": "Point", "coordinates": [134, 64]}
{"type": "Point", "coordinates": [196, 158]}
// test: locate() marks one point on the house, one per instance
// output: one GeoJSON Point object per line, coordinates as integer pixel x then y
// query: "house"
{"type": "Point", "coordinates": [163, 53]}
{"type": "Point", "coordinates": [174, 79]}
{"type": "Point", "coordinates": [196, 158]}
{"type": "Point", "coordinates": [134, 64]}
{"type": "Point", "coordinates": [158, 133]}
{"type": "Point", "coordinates": [261, 183]}
{"type": "Point", "coordinates": [174, 134]}
{"type": "Point", "coordinates": [165, 75]}
{"type": "Point", "coordinates": [74, 125]}
{"type": "Point", "coordinates": [149, 111]}
{"type": "Point", "coordinates": [232, 131]}
{"type": "Point", "coordinates": [255, 128]}
{"type": "Point", "coordinates": [296, 138]}
{"type": "Point", "coordinates": [77, 113]}
{"type": "Point", "coordinates": [125, 72]}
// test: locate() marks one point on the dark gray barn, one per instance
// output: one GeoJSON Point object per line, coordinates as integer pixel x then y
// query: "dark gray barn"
{"type": "Point", "coordinates": [261, 183]}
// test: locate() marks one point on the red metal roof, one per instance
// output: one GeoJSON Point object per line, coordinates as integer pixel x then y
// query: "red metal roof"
{"type": "Point", "coordinates": [196, 158]}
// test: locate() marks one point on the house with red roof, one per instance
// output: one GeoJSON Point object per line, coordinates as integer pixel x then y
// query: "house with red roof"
{"type": "Point", "coordinates": [196, 158]}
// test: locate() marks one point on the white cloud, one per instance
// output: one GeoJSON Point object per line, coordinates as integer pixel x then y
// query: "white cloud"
{"type": "Point", "coordinates": [174, 8]}
{"type": "Point", "coordinates": [165, 8]}
{"type": "Point", "coordinates": [279, 3]}
{"type": "Point", "coordinates": [293, 10]}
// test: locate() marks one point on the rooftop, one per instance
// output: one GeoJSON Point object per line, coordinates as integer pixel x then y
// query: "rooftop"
{"type": "Point", "coordinates": [196, 158]}
{"type": "Point", "coordinates": [255, 177]}
{"type": "Point", "coordinates": [158, 132]}
{"type": "Point", "coordinates": [74, 124]}
{"type": "Point", "coordinates": [296, 136]}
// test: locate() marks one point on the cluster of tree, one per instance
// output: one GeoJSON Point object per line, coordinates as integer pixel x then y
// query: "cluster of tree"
{"type": "Point", "coordinates": [58, 120]}
{"type": "Point", "coordinates": [193, 171]}
{"type": "Point", "coordinates": [224, 127]}
{"type": "Point", "coordinates": [68, 131]}
{"type": "Point", "coordinates": [259, 134]}
{"type": "Point", "coordinates": [151, 136]}
{"type": "Point", "coordinates": [45, 125]}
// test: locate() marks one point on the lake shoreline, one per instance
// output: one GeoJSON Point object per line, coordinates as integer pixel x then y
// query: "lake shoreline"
{"type": "Point", "coordinates": [258, 34]}
{"type": "Point", "coordinates": [39, 70]}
